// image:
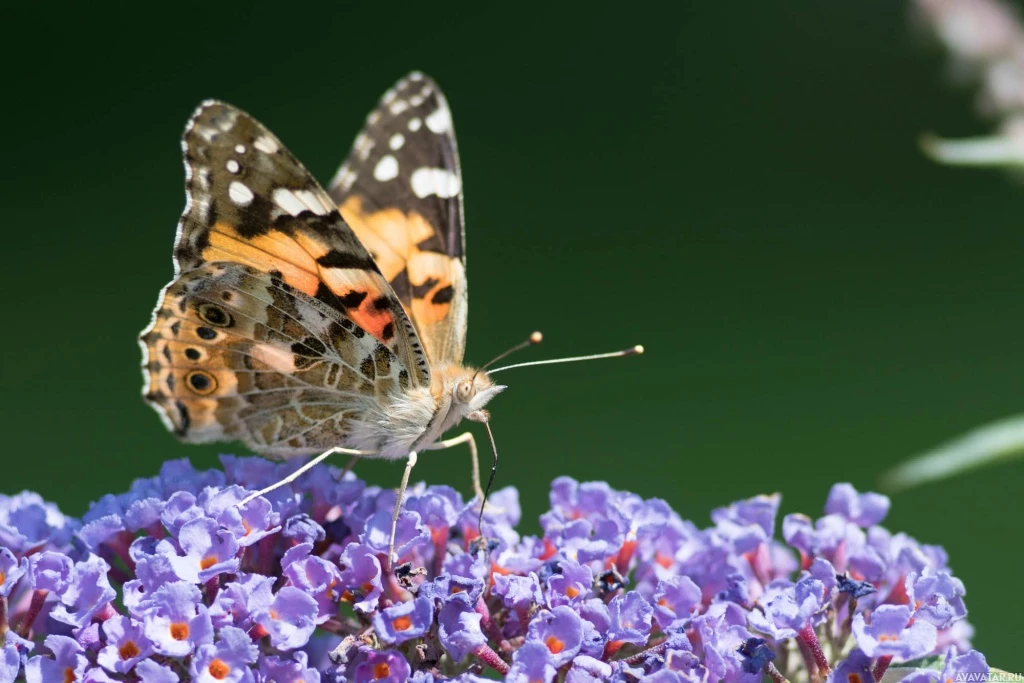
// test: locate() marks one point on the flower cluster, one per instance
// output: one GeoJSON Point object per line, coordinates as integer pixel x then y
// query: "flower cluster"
{"type": "Point", "coordinates": [176, 581]}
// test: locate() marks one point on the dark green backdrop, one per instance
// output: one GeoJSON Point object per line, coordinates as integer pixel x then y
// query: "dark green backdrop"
{"type": "Point", "coordinates": [733, 184]}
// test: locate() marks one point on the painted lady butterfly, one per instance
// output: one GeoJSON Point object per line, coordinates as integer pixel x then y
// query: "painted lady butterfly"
{"type": "Point", "coordinates": [302, 321]}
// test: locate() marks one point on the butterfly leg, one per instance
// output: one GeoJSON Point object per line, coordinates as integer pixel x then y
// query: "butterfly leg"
{"type": "Point", "coordinates": [410, 463]}
{"type": "Point", "coordinates": [465, 438]}
{"type": "Point", "coordinates": [305, 468]}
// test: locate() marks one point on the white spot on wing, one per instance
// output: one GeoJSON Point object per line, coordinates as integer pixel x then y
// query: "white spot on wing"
{"type": "Point", "coordinates": [440, 181]}
{"type": "Point", "coordinates": [344, 178]}
{"type": "Point", "coordinates": [313, 202]}
{"type": "Point", "coordinates": [363, 145]}
{"type": "Point", "coordinates": [240, 149]}
{"type": "Point", "coordinates": [289, 201]}
{"type": "Point", "coordinates": [265, 144]}
{"type": "Point", "coordinates": [414, 124]}
{"type": "Point", "coordinates": [398, 106]}
{"type": "Point", "coordinates": [396, 141]}
{"type": "Point", "coordinates": [416, 100]}
{"type": "Point", "coordinates": [440, 121]}
{"type": "Point", "coordinates": [388, 95]}
{"type": "Point", "coordinates": [416, 76]}
{"type": "Point", "coordinates": [239, 193]}
{"type": "Point", "coordinates": [373, 117]}
{"type": "Point", "coordinates": [386, 168]}
{"type": "Point", "coordinates": [232, 166]}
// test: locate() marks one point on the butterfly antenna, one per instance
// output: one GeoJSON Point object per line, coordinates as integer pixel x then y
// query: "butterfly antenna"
{"type": "Point", "coordinates": [490, 480]}
{"type": "Point", "coordinates": [632, 351]}
{"type": "Point", "coordinates": [535, 338]}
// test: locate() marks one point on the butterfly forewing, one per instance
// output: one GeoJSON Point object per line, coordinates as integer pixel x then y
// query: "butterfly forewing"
{"type": "Point", "coordinates": [279, 329]}
{"type": "Point", "coordinates": [401, 191]}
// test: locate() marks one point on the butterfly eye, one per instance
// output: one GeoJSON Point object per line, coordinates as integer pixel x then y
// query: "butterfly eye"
{"type": "Point", "coordinates": [201, 382]}
{"type": "Point", "coordinates": [464, 391]}
{"type": "Point", "coordinates": [215, 315]}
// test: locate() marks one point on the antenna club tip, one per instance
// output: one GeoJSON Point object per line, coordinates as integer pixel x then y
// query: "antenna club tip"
{"type": "Point", "coordinates": [536, 338]}
{"type": "Point", "coordinates": [638, 349]}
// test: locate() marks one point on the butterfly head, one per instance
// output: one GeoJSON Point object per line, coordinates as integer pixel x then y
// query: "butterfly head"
{"type": "Point", "coordinates": [470, 395]}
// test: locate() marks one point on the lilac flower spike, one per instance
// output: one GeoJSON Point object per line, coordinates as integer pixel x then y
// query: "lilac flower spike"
{"type": "Point", "coordinates": [291, 587]}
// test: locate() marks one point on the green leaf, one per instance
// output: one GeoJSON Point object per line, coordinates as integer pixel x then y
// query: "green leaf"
{"type": "Point", "coordinates": [1002, 440]}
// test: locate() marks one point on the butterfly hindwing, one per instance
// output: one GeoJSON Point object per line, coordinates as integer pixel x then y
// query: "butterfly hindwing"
{"type": "Point", "coordinates": [234, 352]}
{"type": "Point", "coordinates": [400, 189]}
{"type": "Point", "coordinates": [251, 202]}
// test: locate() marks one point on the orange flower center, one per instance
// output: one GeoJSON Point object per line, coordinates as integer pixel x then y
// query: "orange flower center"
{"type": "Point", "coordinates": [218, 669]}
{"type": "Point", "coordinates": [853, 678]}
{"type": "Point", "coordinates": [572, 591]}
{"type": "Point", "coordinates": [402, 623]}
{"type": "Point", "coordinates": [69, 675]}
{"type": "Point", "coordinates": [248, 529]}
{"type": "Point", "coordinates": [3, 577]}
{"type": "Point", "coordinates": [381, 670]}
{"type": "Point", "coordinates": [207, 562]}
{"type": "Point", "coordinates": [554, 644]}
{"type": "Point", "coordinates": [662, 602]}
{"type": "Point", "coordinates": [887, 638]}
{"type": "Point", "coordinates": [128, 650]}
{"type": "Point", "coordinates": [179, 631]}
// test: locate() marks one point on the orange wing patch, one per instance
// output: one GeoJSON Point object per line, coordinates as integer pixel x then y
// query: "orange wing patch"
{"type": "Point", "coordinates": [432, 279]}
{"type": "Point", "coordinates": [361, 292]}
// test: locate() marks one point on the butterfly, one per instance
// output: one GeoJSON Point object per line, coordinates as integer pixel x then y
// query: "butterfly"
{"type": "Point", "coordinates": [304, 321]}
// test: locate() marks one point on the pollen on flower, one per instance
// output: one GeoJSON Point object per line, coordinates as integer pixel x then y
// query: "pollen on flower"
{"type": "Point", "coordinates": [402, 623]}
{"type": "Point", "coordinates": [3, 577]}
{"type": "Point", "coordinates": [179, 631]}
{"type": "Point", "coordinates": [381, 670]}
{"type": "Point", "coordinates": [554, 644]}
{"type": "Point", "coordinates": [572, 591]}
{"type": "Point", "coordinates": [888, 638]}
{"type": "Point", "coordinates": [219, 669]}
{"type": "Point", "coordinates": [69, 675]}
{"type": "Point", "coordinates": [128, 650]}
{"type": "Point", "coordinates": [853, 678]}
{"type": "Point", "coordinates": [207, 562]}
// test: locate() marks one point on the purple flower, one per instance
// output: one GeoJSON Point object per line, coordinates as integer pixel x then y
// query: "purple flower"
{"type": "Point", "coordinates": [180, 509]}
{"type": "Point", "coordinates": [631, 618]}
{"type": "Point", "coordinates": [27, 522]}
{"type": "Point", "coordinates": [588, 670]}
{"type": "Point", "coordinates": [283, 670]}
{"type": "Point", "coordinates": [532, 663]}
{"type": "Point", "coordinates": [88, 592]}
{"type": "Point", "coordinates": [251, 522]}
{"type": "Point", "coordinates": [958, 667]}
{"type": "Point", "coordinates": [789, 608]}
{"type": "Point", "coordinates": [11, 571]}
{"type": "Point", "coordinates": [570, 585]}
{"type": "Point", "coordinates": [518, 592]}
{"type": "Point", "coordinates": [302, 529]}
{"type": "Point", "coordinates": [361, 577]}
{"type": "Point", "coordinates": [890, 633]}
{"type": "Point", "coordinates": [176, 621]}
{"type": "Point", "coordinates": [150, 671]}
{"type": "Point", "coordinates": [856, 667]}
{"type": "Point", "coordinates": [289, 618]}
{"type": "Point", "coordinates": [315, 576]}
{"type": "Point", "coordinates": [675, 601]}
{"type": "Point", "coordinates": [748, 523]}
{"type": "Point", "coordinates": [51, 571]}
{"type": "Point", "coordinates": [68, 662]}
{"type": "Point", "coordinates": [409, 533]}
{"type": "Point", "coordinates": [10, 663]}
{"type": "Point", "coordinates": [863, 509]}
{"type": "Point", "coordinates": [209, 551]}
{"type": "Point", "coordinates": [384, 665]}
{"type": "Point", "coordinates": [561, 631]}
{"type": "Point", "coordinates": [937, 597]}
{"type": "Point", "coordinates": [227, 660]}
{"type": "Point", "coordinates": [404, 621]}
{"type": "Point", "coordinates": [459, 629]}
{"type": "Point", "coordinates": [127, 644]}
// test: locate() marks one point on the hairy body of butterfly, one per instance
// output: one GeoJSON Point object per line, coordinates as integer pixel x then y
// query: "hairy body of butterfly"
{"type": "Point", "coordinates": [302, 320]}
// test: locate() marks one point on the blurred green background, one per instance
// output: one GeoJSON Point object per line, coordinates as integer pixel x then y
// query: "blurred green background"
{"type": "Point", "coordinates": [736, 185]}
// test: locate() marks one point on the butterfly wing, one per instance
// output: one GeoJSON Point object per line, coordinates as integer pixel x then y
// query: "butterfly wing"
{"type": "Point", "coordinates": [401, 191]}
{"type": "Point", "coordinates": [262, 245]}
